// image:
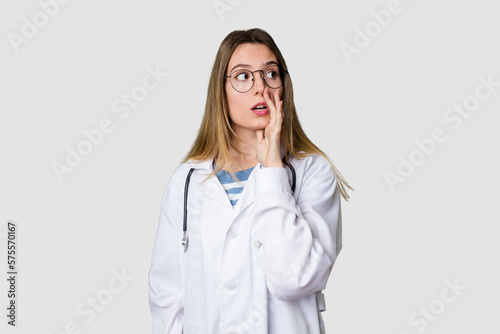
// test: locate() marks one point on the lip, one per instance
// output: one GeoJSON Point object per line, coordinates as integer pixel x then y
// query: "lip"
{"type": "Point", "coordinates": [260, 112]}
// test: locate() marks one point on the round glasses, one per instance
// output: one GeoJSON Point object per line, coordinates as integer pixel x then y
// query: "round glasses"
{"type": "Point", "coordinates": [242, 80]}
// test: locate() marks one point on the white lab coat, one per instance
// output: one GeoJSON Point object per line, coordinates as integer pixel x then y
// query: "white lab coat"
{"type": "Point", "coordinates": [252, 269]}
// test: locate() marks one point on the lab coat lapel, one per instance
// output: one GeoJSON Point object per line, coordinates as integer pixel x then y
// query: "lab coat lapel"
{"type": "Point", "coordinates": [216, 190]}
{"type": "Point", "coordinates": [248, 194]}
{"type": "Point", "coordinates": [247, 198]}
{"type": "Point", "coordinates": [211, 188]}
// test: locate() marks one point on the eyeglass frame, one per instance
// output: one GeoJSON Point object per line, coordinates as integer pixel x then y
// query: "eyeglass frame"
{"type": "Point", "coordinates": [282, 75]}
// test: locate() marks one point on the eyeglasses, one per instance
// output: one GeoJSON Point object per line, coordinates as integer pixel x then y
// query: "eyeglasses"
{"type": "Point", "coordinates": [242, 80]}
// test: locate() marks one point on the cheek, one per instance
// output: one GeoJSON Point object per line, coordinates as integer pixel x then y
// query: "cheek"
{"type": "Point", "coordinates": [233, 102]}
{"type": "Point", "coordinates": [236, 100]}
{"type": "Point", "coordinates": [229, 97]}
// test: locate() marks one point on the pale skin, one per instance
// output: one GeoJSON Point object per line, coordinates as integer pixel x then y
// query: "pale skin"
{"type": "Point", "coordinates": [260, 134]}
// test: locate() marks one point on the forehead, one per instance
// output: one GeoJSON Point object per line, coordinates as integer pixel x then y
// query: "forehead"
{"type": "Point", "coordinates": [254, 55]}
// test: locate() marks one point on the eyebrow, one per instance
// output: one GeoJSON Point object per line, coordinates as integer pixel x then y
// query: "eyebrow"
{"type": "Point", "coordinates": [269, 63]}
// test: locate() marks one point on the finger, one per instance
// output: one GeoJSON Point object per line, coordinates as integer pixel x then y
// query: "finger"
{"type": "Point", "coordinates": [271, 96]}
{"type": "Point", "coordinates": [267, 98]}
{"type": "Point", "coordinates": [279, 107]}
{"type": "Point", "coordinates": [280, 112]}
{"type": "Point", "coordinates": [276, 97]}
{"type": "Point", "coordinates": [270, 104]}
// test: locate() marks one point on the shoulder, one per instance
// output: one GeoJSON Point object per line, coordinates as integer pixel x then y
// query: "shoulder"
{"type": "Point", "coordinates": [313, 162]}
{"type": "Point", "coordinates": [314, 167]}
{"type": "Point", "coordinates": [174, 190]}
{"type": "Point", "coordinates": [181, 171]}
{"type": "Point", "coordinates": [180, 174]}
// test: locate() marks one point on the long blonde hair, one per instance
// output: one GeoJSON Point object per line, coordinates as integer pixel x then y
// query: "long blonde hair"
{"type": "Point", "coordinates": [215, 134]}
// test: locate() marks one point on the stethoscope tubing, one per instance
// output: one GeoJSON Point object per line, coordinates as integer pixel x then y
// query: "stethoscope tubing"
{"type": "Point", "coordinates": [186, 187]}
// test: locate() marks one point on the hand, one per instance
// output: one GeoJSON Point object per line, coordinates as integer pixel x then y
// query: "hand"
{"type": "Point", "coordinates": [268, 140]}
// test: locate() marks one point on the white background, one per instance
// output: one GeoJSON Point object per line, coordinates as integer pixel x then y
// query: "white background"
{"type": "Point", "coordinates": [400, 246]}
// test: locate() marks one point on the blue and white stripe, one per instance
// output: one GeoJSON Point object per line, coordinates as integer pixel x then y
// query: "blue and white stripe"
{"type": "Point", "coordinates": [234, 189]}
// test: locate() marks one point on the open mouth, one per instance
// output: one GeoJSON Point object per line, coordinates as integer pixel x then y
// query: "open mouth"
{"type": "Point", "coordinates": [260, 106]}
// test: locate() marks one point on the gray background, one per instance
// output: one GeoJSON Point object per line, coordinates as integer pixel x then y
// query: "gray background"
{"type": "Point", "coordinates": [400, 245]}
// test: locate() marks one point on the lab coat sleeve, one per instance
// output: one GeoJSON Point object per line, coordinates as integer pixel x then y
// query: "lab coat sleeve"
{"type": "Point", "coordinates": [165, 287]}
{"type": "Point", "coordinates": [300, 239]}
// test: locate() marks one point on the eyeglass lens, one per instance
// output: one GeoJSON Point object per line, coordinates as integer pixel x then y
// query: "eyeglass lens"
{"type": "Point", "coordinates": [242, 80]}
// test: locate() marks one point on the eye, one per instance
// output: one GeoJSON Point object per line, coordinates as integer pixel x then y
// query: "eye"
{"type": "Point", "coordinates": [272, 74]}
{"type": "Point", "coordinates": [242, 76]}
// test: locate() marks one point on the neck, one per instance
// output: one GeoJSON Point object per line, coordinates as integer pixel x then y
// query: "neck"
{"type": "Point", "coordinates": [246, 146]}
{"type": "Point", "coordinates": [248, 157]}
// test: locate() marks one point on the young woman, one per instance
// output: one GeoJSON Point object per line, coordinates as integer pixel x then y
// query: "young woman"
{"type": "Point", "coordinates": [250, 222]}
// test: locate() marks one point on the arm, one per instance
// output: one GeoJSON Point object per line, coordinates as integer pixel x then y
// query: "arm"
{"type": "Point", "coordinates": [165, 287]}
{"type": "Point", "coordinates": [300, 239]}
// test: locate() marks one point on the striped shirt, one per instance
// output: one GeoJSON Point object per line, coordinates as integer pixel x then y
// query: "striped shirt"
{"type": "Point", "coordinates": [233, 189]}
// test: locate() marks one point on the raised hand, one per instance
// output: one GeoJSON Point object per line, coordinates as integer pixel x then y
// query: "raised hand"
{"type": "Point", "coordinates": [268, 139]}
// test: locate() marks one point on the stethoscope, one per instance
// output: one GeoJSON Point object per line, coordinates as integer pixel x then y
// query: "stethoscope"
{"type": "Point", "coordinates": [186, 186]}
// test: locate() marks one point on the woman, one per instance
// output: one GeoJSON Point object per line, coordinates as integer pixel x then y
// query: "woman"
{"type": "Point", "coordinates": [263, 218]}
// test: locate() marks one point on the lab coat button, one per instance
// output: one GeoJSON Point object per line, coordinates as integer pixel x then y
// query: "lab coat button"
{"type": "Point", "coordinates": [256, 243]}
{"type": "Point", "coordinates": [231, 286]}
{"type": "Point", "coordinates": [232, 233]}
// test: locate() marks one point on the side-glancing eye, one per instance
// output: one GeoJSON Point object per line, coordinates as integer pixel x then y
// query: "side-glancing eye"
{"type": "Point", "coordinates": [272, 74]}
{"type": "Point", "coordinates": [242, 76]}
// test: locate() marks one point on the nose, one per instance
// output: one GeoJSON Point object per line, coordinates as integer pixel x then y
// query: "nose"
{"type": "Point", "coordinates": [259, 84]}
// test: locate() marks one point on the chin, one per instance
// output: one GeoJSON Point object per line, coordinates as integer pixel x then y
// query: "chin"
{"type": "Point", "coordinates": [262, 124]}
{"type": "Point", "coordinates": [255, 124]}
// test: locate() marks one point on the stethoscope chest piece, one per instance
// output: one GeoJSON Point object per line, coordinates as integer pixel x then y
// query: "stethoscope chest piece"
{"type": "Point", "coordinates": [185, 240]}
